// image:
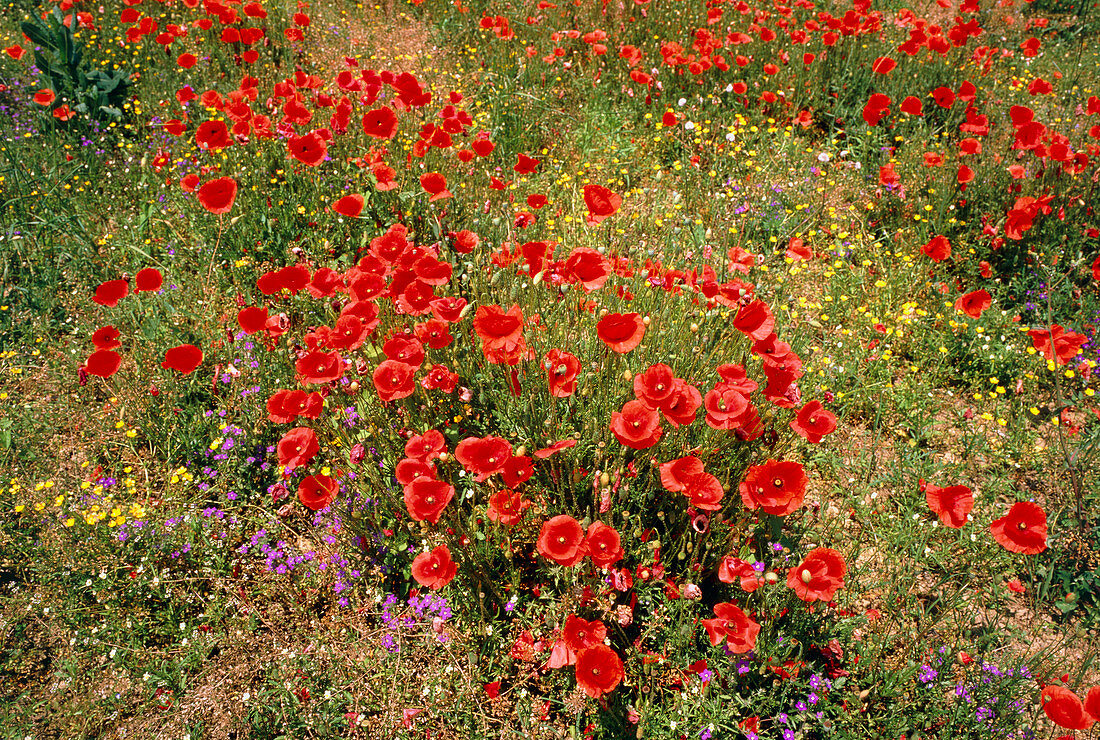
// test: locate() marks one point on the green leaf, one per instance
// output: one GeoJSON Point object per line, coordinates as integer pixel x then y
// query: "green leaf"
{"type": "Point", "coordinates": [1065, 606]}
{"type": "Point", "coordinates": [38, 36]}
{"type": "Point", "coordinates": [106, 84]}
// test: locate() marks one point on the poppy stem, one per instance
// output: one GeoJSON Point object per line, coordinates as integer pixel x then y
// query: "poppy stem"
{"type": "Point", "coordinates": [217, 242]}
{"type": "Point", "coordinates": [1060, 406]}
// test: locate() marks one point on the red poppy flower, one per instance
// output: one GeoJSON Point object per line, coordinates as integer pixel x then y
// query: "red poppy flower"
{"type": "Point", "coordinates": [63, 112]}
{"type": "Point", "coordinates": [297, 447]}
{"type": "Point", "coordinates": [587, 267]}
{"type": "Point", "coordinates": [599, 670]}
{"type": "Point", "coordinates": [217, 196]}
{"type": "Point", "coordinates": [350, 205]}
{"type": "Point", "coordinates": [409, 469]}
{"type": "Point", "coordinates": [517, 470]}
{"type": "Point", "coordinates": [106, 337]}
{"type": "Point", "coordinates": [604, 545]}
{"type": "Point", "coordinates": [309, 149]}
{"type": "Point", "coordinates": [212, 135]}
{"type": "Point", "coordinates": [677, 474]}
{"type": "Point", "coordinates": [938, 248]}
{"type": "Point", "coordinates": [465, 242]}
{"type": "Point", "coordinates": [733, 626]}
{"type": "Point", "coordinates": [974, 303]}
{"type": "Point", "coordinates": [44, 97]}
{"type": "Point", "coordinates": [1021, 217]}
{"type": "Point", "coordinates": [294, 278]}
{"type": "Point", "coordinates": [103, 363]}
{"type": "Point", "coordinates": [579, 634]}
{"type": "Point", "coordinates": [317, 491]}
{"type": "Point", "coordinates": [431, 270]}
{"type": "Point", "coordinates": [876, 108]}
{"type": "Point", "coordinates": [1039, 86]}
{"type": "Point", "coordinates": [525, 165]}
{"type": "Point", "coordinates": [111, 292]}
{"type": "Point", "coordinates": [148, 280]}
{"type": "Point", "coordinates": [1066, 345]}
{"type": "Point", "coordinates": [380, 123]}
{"type": "Point", "coordinates": [184, 358]}
{"type": "Point", "coordinates": [406, 349]}
{"type": "Point", "coordinates": [483, 456]}
{"type": "Point", "coordinates": [755, 320]}
{"type": "Point", "coordinates": [637, 426]}
{"type": "Point", "coordinates": [252, 319]}
{"type": "Point", "coordinates": [507, 507]}
{"type": "Point", "coordinates": [394, 380]}
{"type": "Point", "coordinates": [448, 309]}
{"type": "Point", "coordinates": [776, 487]}
{"type": "Point", "coordinates": [732, 569]}
{"type": "Point", "coordinates": [912, 106]}
{"type": "Point", "coordinates": [888, 177]}
{"type": "Point", "coordinates": [15, 51]}
{"type": "Point", "coordinates": [562, 369]}
{"type": "Point", "coordinates": [1031, 47]}
{"type": "Point", "coordinates": [705, 492]}
{"type": "Point", "coordinates": [656, 385]}
{"type": "Point", "coordinates": [884, 65]}
{"type": "Point", "coordinates": [970, 146]}
{"type": "Point", "coordinates": [555, 448]}
{"type": "Point", "coordinates": [501, 334]}
{"type": "Point", "coordinates": [284, 405]}
{"type": "Point", "coordinates": [319, 367]}
{"type": "Point", "coordinates": [797, 250]}
{"type": "Point", "coordinates": [427, 446]}
{"type": "Point", "coordinates": [187, 60]}
{"type": "Point", "coordinates": [439, 377]}
{"type": "Point", "coordinates": [1065, 709]}
{"type": "Point", "coordinates": [349, 333]}
{"type": "Point", "coordinates": [944, 97]}
{"type": "Point", "coordinates": [819, 576]}
{"type": "Point", "coordinates": [434, 569]}
{"type": "Point", "coordinates": [561, 539]}
{"type": "Point", "coordinates": [1023, 529]}
{"type": "Point", "coordinates": [435, 185]}
{"type": "Point", "coordinates": [813, 423]}
{"type": "Point", "coordinates": [680, 408]}
{"type": "Point", "coordinates": [622, 332]}
{"type": "Point", "coordinates": [727, 407]}
{"type": "Point", "coordinates": [950, 504]}
{"type": "Point", "coordinates": [601, 203]}
{"type": "Point", "coordinates": [426, 498]}
{"type": "Point", "coordinates": [1092, 703]}
{"type": "Point", "coordinates": [434, 333]}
